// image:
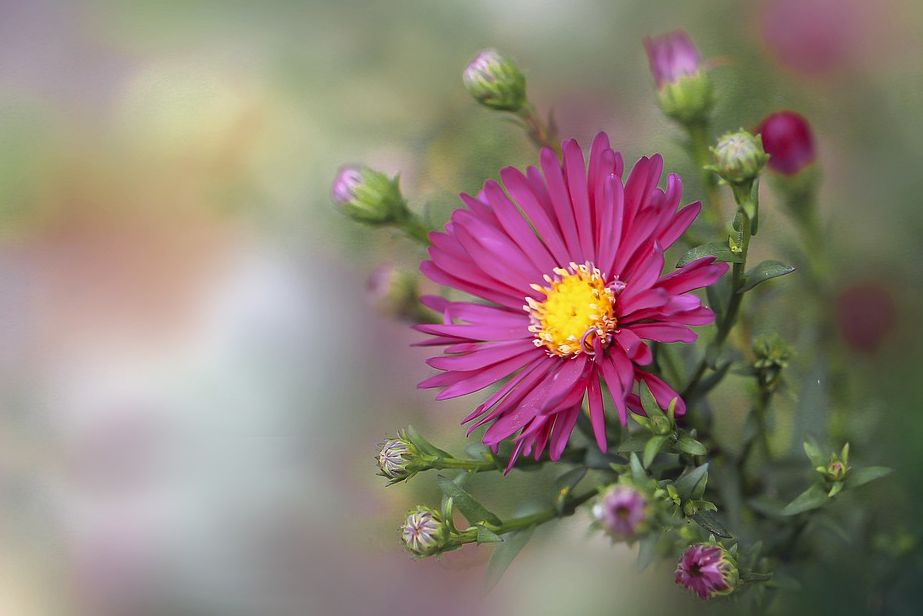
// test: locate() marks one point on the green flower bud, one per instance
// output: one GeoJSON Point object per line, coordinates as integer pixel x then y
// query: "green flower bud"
{"type": "Point", "coordinates": [423, 532]}
{"type": "Point", "coordinates": [495, 81]}
{"type": "Point", "coordinates": [368, 196]}
{"type": "Point", "coordinates": [772, 355]}
{"type": "Point", "coordinates": [688, 100]}
{"type": "Point", "coordinates": [738, 157]}
{"type": "Point", "coordinates": [396, 458]}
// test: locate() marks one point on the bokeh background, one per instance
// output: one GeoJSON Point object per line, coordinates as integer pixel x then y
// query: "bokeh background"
{"type": "Point", "coordinates": [193, 381]}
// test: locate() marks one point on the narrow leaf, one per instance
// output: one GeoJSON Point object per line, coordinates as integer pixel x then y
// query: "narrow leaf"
{"type": "Point", "coordinates": [653, 447]}
{"type": "Point", "coordinates": [709, 521]}
{"type": "Point", "coordinates": [649, 403]}
{"type": "Point", "coordinates": [647, 550]}
{"type": "Point", "coordinates": [469, 506]}
{"type": "Point", "coordinates": [689, 445]}
{"type": "Point", "coordinates": [812, 498]}
{"type": "Point", "coordinates": [812, 450]}
{"type": "Point", "coordinates": [505, 553]}
{"type": "Point", "coordinates": [686, 485]}
{"type": "Point", "coordinates": [861, 476]}
{"type": "Point", "coordinates": [637, 471]}
{"type": "Point", "coordinates": [485, 535]}
{"type": "Point", "coordinates": [719, 250]}
{"type": "Point", "coordinates": [766, 270]}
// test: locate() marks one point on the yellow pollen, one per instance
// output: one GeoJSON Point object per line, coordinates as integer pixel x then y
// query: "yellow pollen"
{"type": "Point", "coordinates": [576, 310]}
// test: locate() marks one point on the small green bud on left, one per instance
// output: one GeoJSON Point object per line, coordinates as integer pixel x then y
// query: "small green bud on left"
{"type": "Point", "coordinates": [495, 82]}
{"type": "Point", "coordinates": [738, 157]}
{"type": "Point", "coordinates": [368, 196]}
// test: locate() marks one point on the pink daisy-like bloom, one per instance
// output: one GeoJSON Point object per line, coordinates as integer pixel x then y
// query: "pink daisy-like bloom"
{"type": "Point", "coordinates": [569, 260]}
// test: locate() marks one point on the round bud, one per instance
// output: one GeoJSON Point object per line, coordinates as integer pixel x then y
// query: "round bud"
{"type": "Point", "coordinates": [395, 457]}
{"type": "Point", "coordinates": [368, 196]}
{"type": "Point", "coordinates": [739, 157]}
{"type": "Point", "coordinates": [495, 82]}
{"type": "Point", "coordinates": [788, 140]}
{"type": "Point", "coordinates": [423, 532]}
{"type": "Point", "coordinates": [708, 570]}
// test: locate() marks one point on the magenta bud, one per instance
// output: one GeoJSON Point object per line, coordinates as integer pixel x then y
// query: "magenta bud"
{"type": "Point", "coordinates": [788, 140]}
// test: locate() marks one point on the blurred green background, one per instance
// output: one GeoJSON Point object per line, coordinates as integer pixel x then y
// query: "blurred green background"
{"type": "Point", "coordinates": [192, 381]}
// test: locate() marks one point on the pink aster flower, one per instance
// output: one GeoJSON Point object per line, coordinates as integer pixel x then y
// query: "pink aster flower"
{"type": "Point", "coordinates": [707, 570]}
{"type": "Point", "coordinates": [621, 511]}
{"type": "Point", "coordinates": [569, 261]}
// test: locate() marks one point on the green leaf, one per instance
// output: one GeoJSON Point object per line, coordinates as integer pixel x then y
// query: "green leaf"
{"type": "Point", "coordinates": [812, 450]}
{"type": "Point", "coordinates": [637, 471]}
{"type": "Point", "coordinates": [861, 476]}
{"type": "Point", "coordinates": [767, 270]}
{"type": "Point", "coordinates": [424, 445]}
{"type": "Point", "coordinates": [812, 498]}
{"type": "Point", "coordinates": [565, 484]}
{"type": "Point", "coordinates": [689, 445]}
{"type": "Point", "coordinates": [649, 403]}
{"type": "Point", "coordinates": [598, 460]}
{"type": "Point", "coordinates": [505, 553]}
{"type": "Point", "coordinates": [485, 535]}
{"type": "Point", "coordinates": [686, 485]}
{"type": "Point", "coordinates": [634, 442]}
{"type": "Point", "coordinates": [647, 550]}
{"type": "Point", "coordinates": [709, 521]}
{"type": "Point", "coordinates": [469, 506]}
{"type": "Point", "coordinates": [719, 250]}
{"type": "Point", "coordinates": [653, 447]}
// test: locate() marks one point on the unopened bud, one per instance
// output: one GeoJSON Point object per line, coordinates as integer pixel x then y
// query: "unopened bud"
{"type": "Point", "coordinates": [788, 140]}
{"type": "Point", "coordinates": [423, 532]}
{"type": "Point", "coordinates": [396, 458]}
{"type": "Point", "coordinates": [368, 196]}
{"type": "Point", "coordinates": [495, 82]}
{"type": "Point", "coordinates": [708, 570]}
{"type": "Point", "coordinates": [684, 89]}
{"type": "Point", "coordinates": [738, 157]}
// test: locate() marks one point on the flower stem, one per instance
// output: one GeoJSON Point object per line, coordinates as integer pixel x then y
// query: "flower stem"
{"type": "Point", "coordinates": [738, 279]}
{"type": "Point", "coordinates": [699, 139]}
{"type": "Point", "coordinates": [413, 227]}
{"type": "Point", "coordinates": [470, 535]}
{"type": "Point", "coordinates": [486, 465]}
{"type": "Point", "coordinates": [542, 134]}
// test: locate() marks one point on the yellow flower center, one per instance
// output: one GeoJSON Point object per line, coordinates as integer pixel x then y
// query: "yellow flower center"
{"type": "Point", "coordinates": [576, 310]}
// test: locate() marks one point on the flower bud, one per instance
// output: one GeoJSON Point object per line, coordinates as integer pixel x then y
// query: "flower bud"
{"type": "Point", "coordinates": [708, 570]}
{"type": "Point", "coordinates": [788, 140]}
{"type": "Point", "coordinates": [738, 157]}
{"type": "Point", "coordinates": [622, 512]}
{"type": "Point", "coordinates": [368, 196]}
{"type": "Point", "coordinates": [838, 467]}
{"type": "Point", "coordinates": [396, 458]}
{"type": "Point", "coordinates": [423, 532]}
{"type": "Point", "coordinates": [495, 82]}
{"type": "Point", "coordinates": [684, 89]}
{"type": "Point", "coordinates": [394, 292]}
{"type": "Point", "coordinates": [772, 355]}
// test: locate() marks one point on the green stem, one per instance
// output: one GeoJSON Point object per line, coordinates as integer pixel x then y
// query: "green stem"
{"type": "Point", "coordinates": [539, 132]}
{"type": "Point", "coordinates": [413, 227]}
{"type": "Point", "coordinates": [738, 278]}
{"type": "Point", "coordinates": [485, 465]}
{"type": "Point", "coordinates": [470, 535]}
{"type": "Point", "coordinates": [699, 139]}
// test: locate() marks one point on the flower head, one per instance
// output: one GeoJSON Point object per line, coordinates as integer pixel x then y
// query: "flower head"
{"type": "Point", "coordinates": [423, 532]}
{"type": "Point", "coordinates": [569, 260]}
{"type": "Point", "coordinates": [738, 157]}
{"type": "Point", "coordinates": [708, 570]}
{"type": "Point", "coordinates": [367, 195]}
{"type": "Point", "coordinates": [684, 89]}
{"type": "Point", "coordinates": [622, 511]}
{"type": "Point", "coordinates": [495, 82]}
{"type": "Point", "coordinates": [788, 140]}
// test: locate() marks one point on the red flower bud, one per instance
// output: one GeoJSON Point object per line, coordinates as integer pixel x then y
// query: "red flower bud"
{"type": "Point", "coordinates": [788, 140]}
